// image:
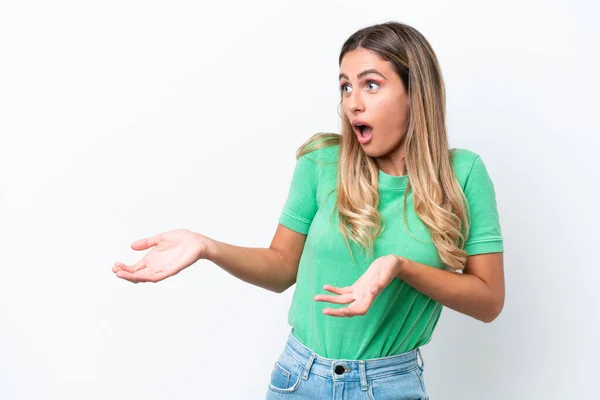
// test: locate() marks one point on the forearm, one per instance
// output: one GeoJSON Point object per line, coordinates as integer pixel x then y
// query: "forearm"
{"type": "Point", "coordinates": [262, 267]}
{"type": "Point", "coordinates": [464, 293]}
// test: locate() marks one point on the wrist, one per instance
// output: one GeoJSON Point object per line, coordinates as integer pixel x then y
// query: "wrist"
{"type": "Point", "coordinates": [206, 247]}
{"type": "Point", "coordinates": [399, 266]}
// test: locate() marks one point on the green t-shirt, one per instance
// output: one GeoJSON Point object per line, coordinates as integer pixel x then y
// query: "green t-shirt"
{"type": "Point", "coordinates": [400, 318]}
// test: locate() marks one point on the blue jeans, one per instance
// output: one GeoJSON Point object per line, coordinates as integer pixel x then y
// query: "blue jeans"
{"type": "Point", "coordinates": [299, 373]}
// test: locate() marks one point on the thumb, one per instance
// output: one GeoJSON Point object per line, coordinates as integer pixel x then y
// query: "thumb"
{"type": "Point", "coordinates": [374, 289]}
{"type": "Point", "coordinates": [379, 285]}
{"type": "Point", "coordinates": [145, 243]}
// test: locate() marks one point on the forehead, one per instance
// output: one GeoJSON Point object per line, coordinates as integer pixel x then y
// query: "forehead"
{"type": "Point", "coordinates": [360, 59]}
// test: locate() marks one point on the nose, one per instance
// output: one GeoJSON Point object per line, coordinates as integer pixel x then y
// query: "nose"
{"type": "Point", "coordinates": [355, 103]}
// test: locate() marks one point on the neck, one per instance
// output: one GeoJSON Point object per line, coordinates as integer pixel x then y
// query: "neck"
{"type": "Point", "coordinates": [392, 163]}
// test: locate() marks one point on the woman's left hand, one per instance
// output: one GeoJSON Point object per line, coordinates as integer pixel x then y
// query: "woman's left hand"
{"type": "Point", "coordinates": [362, 293]}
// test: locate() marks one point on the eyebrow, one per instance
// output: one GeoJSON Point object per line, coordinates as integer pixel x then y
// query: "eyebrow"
{"type": "Point", "coordinates": [365, 72]}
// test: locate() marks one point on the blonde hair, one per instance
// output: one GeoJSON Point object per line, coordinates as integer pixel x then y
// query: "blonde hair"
{"type": "Point", "coordinates": [438, 199]}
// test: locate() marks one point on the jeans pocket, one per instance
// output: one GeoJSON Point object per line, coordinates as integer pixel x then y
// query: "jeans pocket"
{"type": "Point", "coordinates": [286, 375]}
{"type": "Point", "coordinates": [402, 385]}
{"type": "Point", "coordinates": [419, 372]}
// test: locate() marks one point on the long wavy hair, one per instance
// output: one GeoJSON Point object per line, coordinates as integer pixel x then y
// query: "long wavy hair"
{"type": "Point", "coordinates": [438, 199]}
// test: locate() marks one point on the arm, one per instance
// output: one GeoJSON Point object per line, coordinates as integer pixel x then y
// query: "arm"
{"type": "Point", "coordinates": [478, 292]}
{"type": "Point", "coordinates": [274, 268]}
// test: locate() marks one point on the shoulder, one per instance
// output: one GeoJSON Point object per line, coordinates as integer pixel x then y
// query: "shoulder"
{"type": "Point", "coordinates": [463, 161]}
{"type": "Point", "coordinates": [320, 148]}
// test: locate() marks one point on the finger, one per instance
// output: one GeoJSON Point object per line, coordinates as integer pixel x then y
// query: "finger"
{"type": "Point", "coordinates": [141, 276]}
{"type": "Point", "coordinates": [145, 243]}
{"type": "Point", "coordinates": [138, 265]}
{"type": "Point", "coordinates": [119, 266]}
{"type": "Point", "coordinates": [337, 290]}
{"type": "Point", "coordinates": [130, 268]}
{"type": "Point", "coordinates": [350, 311]}
{"type": "Point", "coordinates": [343, 299]}
{"type": "Point", "coordinates": [128, 276]}
{"type": "Point", "coordinates": [338, 312]}
{"type": "Point", "coordinates": [358, 308]}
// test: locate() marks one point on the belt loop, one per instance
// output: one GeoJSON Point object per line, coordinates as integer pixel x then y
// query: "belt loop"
{"type": "Point", "coordinates": [363, 375]}
{"type": "Point", "coordinates": [308, 365]}
{"type": "Point", "coordinates": [420, 355]}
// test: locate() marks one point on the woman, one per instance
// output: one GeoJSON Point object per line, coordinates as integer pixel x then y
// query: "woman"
{"type": "Point", "coordinates": [383, 226]}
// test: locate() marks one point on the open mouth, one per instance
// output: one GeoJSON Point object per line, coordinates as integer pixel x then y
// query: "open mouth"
{"type": "Point", "coordinates": [364, 132]}
{"type": "Point", "coordinates": [363, 129]}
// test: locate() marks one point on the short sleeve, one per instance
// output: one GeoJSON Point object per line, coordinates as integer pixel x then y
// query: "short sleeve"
{"type": "Point", "coordinates": [301, 204]}
{"type": "Point", "coordinates": [485, 234]}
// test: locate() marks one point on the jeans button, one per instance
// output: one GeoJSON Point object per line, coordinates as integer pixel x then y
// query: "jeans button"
{"type": "Point", "coordinates": [339, 370]}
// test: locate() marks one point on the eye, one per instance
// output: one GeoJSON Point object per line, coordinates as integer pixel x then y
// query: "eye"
{"type": "Point", "coordinates": [369, 82]}
{"type": "Point", "coordinates": [342, 87]}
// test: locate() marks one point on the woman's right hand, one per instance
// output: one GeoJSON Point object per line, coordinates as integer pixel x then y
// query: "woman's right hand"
{"type": "Point", "coordinates": [170, 253]}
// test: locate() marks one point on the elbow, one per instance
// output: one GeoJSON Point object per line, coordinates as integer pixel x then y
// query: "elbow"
{"type": "Point", "coordinates": [489, 318]}
{"type": "Point", "coordinates": [289, 285]}
{"type": "Point", "coordinates": [493, 313]}
{"type": "Point", "coordinates": [281, 289]}
{"type": "Point", "coordinates": [276, 289]}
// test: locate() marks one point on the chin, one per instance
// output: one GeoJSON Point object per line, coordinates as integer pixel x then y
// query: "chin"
{"type": "Point", "coordinates": [372, 151]}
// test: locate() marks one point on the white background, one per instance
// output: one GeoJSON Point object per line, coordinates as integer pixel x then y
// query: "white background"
{"type": "Point", "coordinates": [122, 119]}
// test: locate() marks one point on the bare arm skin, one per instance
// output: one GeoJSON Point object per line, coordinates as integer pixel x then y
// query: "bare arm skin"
{"type": "Point", "coordinates": [478, 292]}
{"type": "Point", "coordinates": [274, 268]}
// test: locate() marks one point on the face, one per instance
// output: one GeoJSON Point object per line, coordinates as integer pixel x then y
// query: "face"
{"type": "Point", "coordinates": [377, 98]}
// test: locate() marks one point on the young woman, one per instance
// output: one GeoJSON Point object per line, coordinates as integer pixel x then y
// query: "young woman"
{"type": "Point", "coordinates": [383, 226]}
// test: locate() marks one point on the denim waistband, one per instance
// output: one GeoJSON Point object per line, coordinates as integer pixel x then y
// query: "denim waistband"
{"type": "Point", "coordinates": [351, 370]}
